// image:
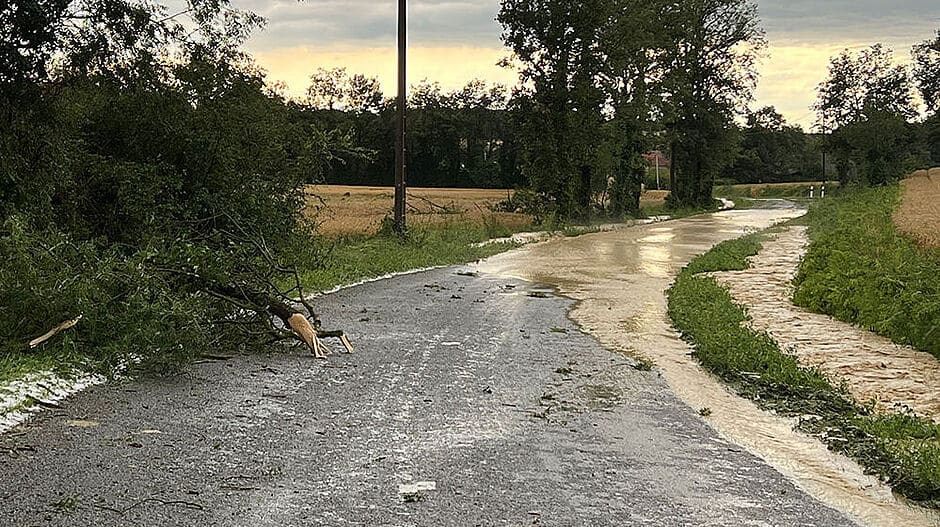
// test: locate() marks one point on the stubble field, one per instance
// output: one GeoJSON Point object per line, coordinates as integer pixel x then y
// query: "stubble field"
{"type": "Point", "coordinates": [351, 210]}
{"type": "Point", "coordinates": [919, 213]}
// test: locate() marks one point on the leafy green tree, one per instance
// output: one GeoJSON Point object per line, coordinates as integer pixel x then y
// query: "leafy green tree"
{"type": "Point", "coordinates": [866, 101]}
{"type": "Point", "coordinates": [771, 150]}
{"type": "Point", "coordinates": [557, 47]}
{"type": "Point", "coordinates": [709, 75]}
{"type": "Point", "coordinates": [364, 94]}
{"type": "Point", "coordinates": [863, 83]}
{"type": "Point", "coordinates": [328, 88]}
{"type": "Point", "coordinates": [927, 72]}
{"type": "Point", "coordinates": [144, 158]}
{"type": "Point", "coordinates": [631, 81]}
{"type": "Point", "coordinates": [932, 137]}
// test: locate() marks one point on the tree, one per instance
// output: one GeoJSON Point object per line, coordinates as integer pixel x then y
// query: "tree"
{"type": "Point", "coordinates": [363, 94]}
{"type": "Point", "coordinates": [709, 76]}
{"type": "Point", "coordinates": [865, 101]}
{"type": "Point", "coordinates": [872, 151]}
{"type": "Point", "coordinates": [860, 84]}
{"type": "Point", "coordinates": [631, 81]}
{"type": "Point", "coordinates": [328, 88]}
{"type": "Point", "coordinates": [771, 150]}
{"type": "Point", "coordinates": [927, 72]}
{"type": "Point", "coordinates": [150, 181]}
{"type": "Point", "coordinates": [557, 47]}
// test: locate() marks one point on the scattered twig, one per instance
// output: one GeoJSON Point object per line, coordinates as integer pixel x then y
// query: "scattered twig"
{"type": "Point", "coordinates": [68, 324]}
{"type": "Point", "coordinates": [433, 205]}
{"type": "Point", "coordinates": [187, 504]}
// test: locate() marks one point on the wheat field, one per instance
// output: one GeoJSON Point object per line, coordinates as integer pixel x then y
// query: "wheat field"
{"type": "Point", "coordinates": [919, 213]}
{"type": "Point", "coordinates": [354, 210]}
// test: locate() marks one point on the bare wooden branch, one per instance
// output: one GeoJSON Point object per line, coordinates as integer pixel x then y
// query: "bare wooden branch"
{"type": "Point", "coordinates": [68, 324]}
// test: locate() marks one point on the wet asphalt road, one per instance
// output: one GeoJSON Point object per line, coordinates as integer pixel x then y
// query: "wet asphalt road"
{"type": "Point", "coordinates": [468, 382]}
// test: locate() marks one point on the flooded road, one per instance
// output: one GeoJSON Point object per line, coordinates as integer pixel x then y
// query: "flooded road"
{"type": "Point", "coordinates": [618, 280]}
{"type": "Point", "coordinates": [873, 367]}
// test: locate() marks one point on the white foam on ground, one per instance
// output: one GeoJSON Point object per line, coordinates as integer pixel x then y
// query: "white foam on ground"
{"type": "Point", "coordinates": [21, 398]}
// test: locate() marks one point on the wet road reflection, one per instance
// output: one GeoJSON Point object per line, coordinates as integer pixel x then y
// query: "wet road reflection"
{"type": "Point", "coordinates": [619, 279]}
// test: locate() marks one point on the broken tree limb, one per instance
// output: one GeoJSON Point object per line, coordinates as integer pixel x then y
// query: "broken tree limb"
{"type": "Point", "coordinates": [434, 206]}
{"type": "Point", "coordinates": [299, 324]}
{"type": "Point", "coordinates": [68, 324]}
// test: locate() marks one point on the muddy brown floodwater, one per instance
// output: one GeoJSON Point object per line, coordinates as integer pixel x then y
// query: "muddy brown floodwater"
{"type": "Point", "coordinates": [873, 368]}
{"type": "Point", "coordinates": [619, 278]}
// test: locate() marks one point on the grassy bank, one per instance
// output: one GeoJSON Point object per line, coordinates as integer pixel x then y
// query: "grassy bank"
{"type": "Point", "coordinates": [904, 450]}
{"type": "Point", "coordinates": [859, 269]}
{"type": "Point", "coordinates": [793, 191]}
{"type": "Point", "coordinates": [349, 259]}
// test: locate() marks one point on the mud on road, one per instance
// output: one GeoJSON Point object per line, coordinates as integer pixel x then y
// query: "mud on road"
{"type": "Point", "coordinates": [618, 281]}
{"type": "Point", "coordinates": [481, 385]}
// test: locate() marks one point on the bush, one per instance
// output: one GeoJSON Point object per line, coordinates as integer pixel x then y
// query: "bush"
{"type": "Point", "coordinates": [134, 189]}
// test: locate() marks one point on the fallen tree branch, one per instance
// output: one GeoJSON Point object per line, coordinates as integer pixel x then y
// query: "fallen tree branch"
{"type": "Point", "coordinates": [442, 208]}
{"type": "Point", "coordinates": [309, 334]}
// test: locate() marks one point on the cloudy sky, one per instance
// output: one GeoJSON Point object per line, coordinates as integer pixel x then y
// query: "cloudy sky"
{"type": "Point", "coordinates": [452, 41]}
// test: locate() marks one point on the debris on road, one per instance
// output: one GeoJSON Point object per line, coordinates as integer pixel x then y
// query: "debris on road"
{"type": "Point", "coordinates": [412, 492]}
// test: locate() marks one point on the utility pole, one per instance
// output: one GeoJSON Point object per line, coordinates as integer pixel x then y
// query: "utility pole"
{"type": "Point", "coordinates": [656, 154]}
{"type": "Point", "coordinates": [400, 160]}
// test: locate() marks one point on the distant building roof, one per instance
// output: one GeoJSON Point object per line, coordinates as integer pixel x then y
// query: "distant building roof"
{"type": "Point", "coordinates": [652, 156]}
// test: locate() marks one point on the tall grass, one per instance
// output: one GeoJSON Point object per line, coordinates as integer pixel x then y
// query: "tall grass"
{"type": "Point", "coordinates": [859, 269]}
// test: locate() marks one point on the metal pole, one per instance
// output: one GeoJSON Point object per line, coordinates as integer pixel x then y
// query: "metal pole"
{"type": "Point", "coordinates": [400, 162]}
{"type": "Point", "coordinates": [657, 169]}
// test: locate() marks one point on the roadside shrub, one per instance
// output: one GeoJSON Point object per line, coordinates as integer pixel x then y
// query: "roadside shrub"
{"type": "Point", "coordinates": [48, 278]}
{"type": "Point", "coordinates": [133, 193]}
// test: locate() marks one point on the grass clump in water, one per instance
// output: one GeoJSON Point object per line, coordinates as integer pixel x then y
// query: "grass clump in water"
{"type": "Point", "coordinates": [903, 449]}
{"type": "Point", "coordinates": [859, 269]}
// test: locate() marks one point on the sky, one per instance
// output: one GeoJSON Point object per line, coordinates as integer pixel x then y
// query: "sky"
{"type": "Point", "coordinates": [453, 41]}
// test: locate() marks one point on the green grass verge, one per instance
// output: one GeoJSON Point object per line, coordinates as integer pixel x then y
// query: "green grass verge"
{"type": "Point", "coordinates": [902, 449]}
{"type": "Point", "coordinates": [795, 191]}
{"type": "Point", "coordinates": [860, 270]}
{"type": "Point", "coordinates": [351, 259]}
{"type": "Point", "coordinates": [60, 359]}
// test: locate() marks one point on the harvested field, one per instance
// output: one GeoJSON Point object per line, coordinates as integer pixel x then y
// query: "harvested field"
{"type": "Point", "coordinates": [919, 213]}
{"type": "Point", "coordinates": [350, 210]}
{"type": "Point", "coordinates": [353, 210]}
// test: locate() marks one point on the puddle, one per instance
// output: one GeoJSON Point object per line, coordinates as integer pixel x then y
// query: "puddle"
{"type": "Point", "coordinates": [618, 280]}
{"type": "Point", "coordinates": [873, 367]}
